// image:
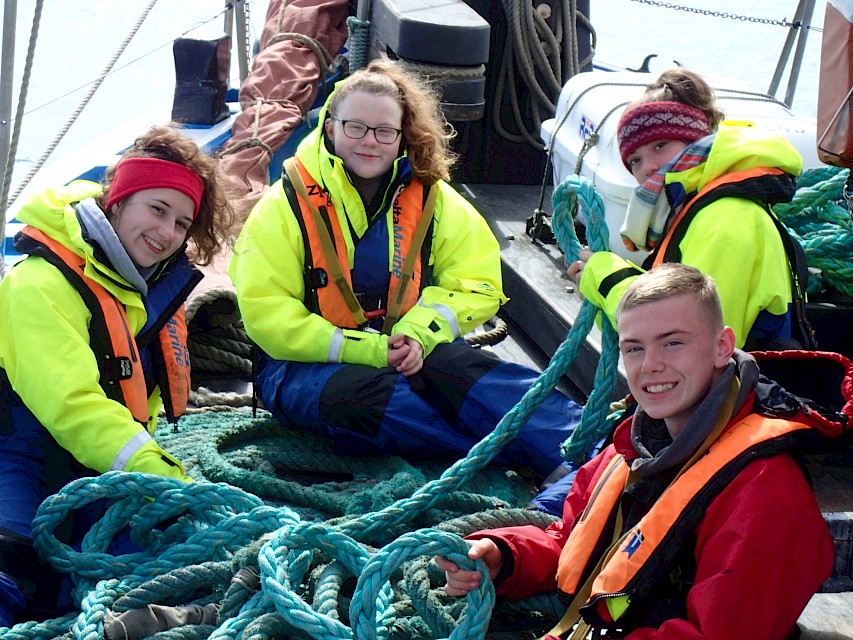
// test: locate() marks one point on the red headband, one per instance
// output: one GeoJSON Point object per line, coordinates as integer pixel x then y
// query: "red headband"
{"type": "Point", "coordinates": [139, 173]}
{"type": "Point", "coordinates": [650, 121]}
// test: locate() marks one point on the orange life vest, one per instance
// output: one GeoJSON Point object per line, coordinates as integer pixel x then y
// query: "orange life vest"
{"type": "Point", "coordinates": [121, 375]}
{"type": "Point", "coordinates": [631, 566]}
{"type": "Point", "coordinates": [663, 251]}
{"type": "Point", "coordinates": [408, 208]}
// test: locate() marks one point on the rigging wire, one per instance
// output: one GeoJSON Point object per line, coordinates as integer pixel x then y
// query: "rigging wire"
{"type": "Point", "coordinates": [16, 133]}
{"type": "Point", "coordinates": [94, 85]}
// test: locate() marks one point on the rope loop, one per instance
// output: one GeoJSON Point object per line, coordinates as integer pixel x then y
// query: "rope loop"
{"type": "Point", "coordinates": [579, 191]}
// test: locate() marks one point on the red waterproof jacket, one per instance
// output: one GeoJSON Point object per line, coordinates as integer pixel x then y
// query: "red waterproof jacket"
{"type": "Point", "coordinates": [762, 548]}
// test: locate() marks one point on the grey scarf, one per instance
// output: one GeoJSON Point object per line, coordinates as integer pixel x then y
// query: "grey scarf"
{"type": "Point", "coordinates": [100, 233]}
{"type": "Point", "coordinates": [700, 425]}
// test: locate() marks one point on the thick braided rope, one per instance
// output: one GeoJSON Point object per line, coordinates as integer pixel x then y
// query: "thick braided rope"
{"type": "Point", "coordinates": [426, 602]}
{"type": "Point", "coordinates": [224, 520]}
{"type": "Point", "coordinates": [329, 581]}
{"type": "Point", "coordinates": [47, 630]}
{"type": "Point", "coordinates": [821, 223]}
{"type": "Point", "coordinates": [359, 35]}
{"type": "Point", "coordinates": [279, 577]}
{"type": "Point", "coordinates": [231, 628]}
{"type": "Point", "coordinates": [594, 424]}
{"type": "Point", "coordinates": [189, 632]}
{"type": "Point", "coordinates": [480, 454]}
{"type": "Point", "coordinates": [426, 542]}
{"type": "Point", "coordinates": [268, 625]}
{"type": "Point", "coordinates": [257, 606]}
{"type": "Point", "coordinates": [217, 339]}
{"type": "Point", "coordinates": [90, 623]}
{"type": "Point", "coordinates": [177, 585]}
{"type": "Point", "coordinates": [282, 564]}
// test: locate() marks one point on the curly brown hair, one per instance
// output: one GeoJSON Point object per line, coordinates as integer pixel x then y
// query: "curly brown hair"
{"type": "Point", "coordinates": [687, 87]}
{"type": "Point", "coordinates": [426, 132]}
{"type": "Point", "coordinates": [209, 230]}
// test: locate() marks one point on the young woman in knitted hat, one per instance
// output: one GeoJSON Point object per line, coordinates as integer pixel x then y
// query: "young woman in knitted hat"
{"type": "Point", "coordinates": [704, 196]}
{"type": "Point", "coordinates": [94, 336]}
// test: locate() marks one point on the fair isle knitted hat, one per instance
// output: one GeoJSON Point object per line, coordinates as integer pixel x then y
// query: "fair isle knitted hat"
{"type": "Point", "coordinates": [649, 121]}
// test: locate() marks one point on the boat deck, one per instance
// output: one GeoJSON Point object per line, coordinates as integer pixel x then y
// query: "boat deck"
{"type": "Point", "coordinates": [543, 302]}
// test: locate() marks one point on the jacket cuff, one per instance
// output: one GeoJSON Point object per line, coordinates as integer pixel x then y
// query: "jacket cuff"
{"type": "Point", "coordinates": [605, 278]}
{"type": "Point", "coordinates": [361, 347]}
{"type": "Point", "coordinates": [150, 458]}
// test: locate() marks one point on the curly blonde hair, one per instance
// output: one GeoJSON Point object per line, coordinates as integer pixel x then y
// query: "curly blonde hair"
{"type": "Point", "coordinates": [426, 132]}
{"type": "Point", "coordinates": [687, 87]}
{"type": "Point", "coordinates": [210, 228]}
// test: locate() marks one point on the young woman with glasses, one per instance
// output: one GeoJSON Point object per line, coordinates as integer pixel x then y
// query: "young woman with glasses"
{"type": "Point", "coordinates": [359, 273]}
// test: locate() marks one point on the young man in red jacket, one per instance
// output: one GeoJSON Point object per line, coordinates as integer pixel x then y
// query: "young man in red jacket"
{"type": "Point", "coordinates": [694, 522]}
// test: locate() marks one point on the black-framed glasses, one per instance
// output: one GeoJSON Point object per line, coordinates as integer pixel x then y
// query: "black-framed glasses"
{"type": "Point", "coordinates": [357, 130]}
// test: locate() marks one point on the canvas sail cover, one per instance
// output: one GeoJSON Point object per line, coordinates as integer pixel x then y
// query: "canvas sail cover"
{"type": "Point", "coordinates": [835, 89]}
{"type": "Point", "coordinates": [280, 88]}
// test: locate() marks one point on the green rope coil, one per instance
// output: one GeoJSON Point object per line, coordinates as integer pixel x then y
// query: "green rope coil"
{"type": "Point", "coordinates": [359, 34]}
{"type": "Point", "coordinates": [819, 219]}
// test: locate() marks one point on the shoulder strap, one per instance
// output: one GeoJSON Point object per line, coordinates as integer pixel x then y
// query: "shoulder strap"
{"type": "Point", "coordinates": [572, 616]}
{"type": "Point", "coordinates": [395, 306]}
{"type": "Point", "coordinates": [117, 373]}
{"type": "Point", "coordinates": [798, 266]}
{"type": "Point", "coordinates": [730, 186]}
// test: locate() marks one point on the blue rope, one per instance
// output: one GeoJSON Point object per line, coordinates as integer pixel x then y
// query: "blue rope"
{"type": "Point", "coordinates": [579, 191]}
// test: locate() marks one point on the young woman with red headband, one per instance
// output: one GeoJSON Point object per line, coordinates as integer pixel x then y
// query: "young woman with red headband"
{"type": "Point", "coordinates": [94, 335]}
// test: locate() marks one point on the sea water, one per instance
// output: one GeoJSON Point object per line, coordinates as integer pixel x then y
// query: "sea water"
{"type": "Point", "coordinates": [77, 39]}
{"type": "Point", "coordinates": [745, 46]}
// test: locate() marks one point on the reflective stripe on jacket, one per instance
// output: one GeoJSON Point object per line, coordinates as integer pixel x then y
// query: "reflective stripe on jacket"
{"type": "Point", "coordinates": [646, 549]}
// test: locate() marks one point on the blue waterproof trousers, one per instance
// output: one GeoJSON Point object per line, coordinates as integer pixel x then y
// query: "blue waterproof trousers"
{"type": "Point", "coordinates": [455, 401]}
{"type": "Point", "coordinates": [32, 467]}
{"type": "Point", "coordinates": [23, 486]}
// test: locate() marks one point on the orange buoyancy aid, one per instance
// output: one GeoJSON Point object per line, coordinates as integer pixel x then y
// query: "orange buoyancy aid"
{"type": "Point", "coordinates": [121, 373]}
{"type": "Point", "coordinates": [335, 300]}
{"type": "Point", "coordinates": [669, 243]}
{"type": "Point", "coordinates": [656, 538]}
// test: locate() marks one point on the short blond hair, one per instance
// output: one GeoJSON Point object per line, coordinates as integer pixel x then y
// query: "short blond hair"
{"type": "Point", "coordinates": [672, 279]}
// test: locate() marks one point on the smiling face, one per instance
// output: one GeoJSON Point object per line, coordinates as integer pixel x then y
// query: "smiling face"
{"type": "Point", "coordinates": [367, 158]}
{"type": "Point", "coordinates": [649, 158]}
{"type": "Point", "coordinates": [152, 224]}
{"type": "Point", "coordinates": [672, 352]}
